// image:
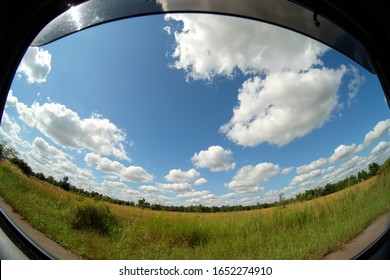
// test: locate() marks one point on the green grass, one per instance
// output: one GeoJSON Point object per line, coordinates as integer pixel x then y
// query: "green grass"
{"type": "Point", "coordinates": [98, 230]}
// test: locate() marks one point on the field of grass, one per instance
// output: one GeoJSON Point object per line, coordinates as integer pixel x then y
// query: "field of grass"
{"type": "Point", "coordinates": [307, 230]}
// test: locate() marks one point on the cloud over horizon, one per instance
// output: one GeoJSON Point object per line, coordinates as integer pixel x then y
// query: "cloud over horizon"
{"type": "Point", "coordinates": [247, 179]}
{"type": "Point", "coordinates": [125, 173]}
{"type": "Point", "coordinates": [65, 128]}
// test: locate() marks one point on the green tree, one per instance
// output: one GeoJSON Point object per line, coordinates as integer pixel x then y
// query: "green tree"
{"type": "Point", "coordinates": [143, 204]}
{"type": "Point", "coordinates": [40, 176]}
{"type": "Point", "coordinates": [64, 183]}
{"type": "Point", "coordinates": [26, 169]}
{"type": "Point", "coordinates": [363, 175]}
{"type": "Point", "coordinates": [374, 169]}
{"type": "Point", "coordinates": [6, 152]}
{"type": "Point", "coordinates": [51, 180]}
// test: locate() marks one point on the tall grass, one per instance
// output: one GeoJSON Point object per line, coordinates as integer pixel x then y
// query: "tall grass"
{"type": "Point", "coordinates": [99, 218]}
{"type": "Point", "coordinates": [306, 230]}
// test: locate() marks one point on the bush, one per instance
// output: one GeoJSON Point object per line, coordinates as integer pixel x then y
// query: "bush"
{"type": "Point", "coordinates": [26, 169]}
{"type": "Point", "coordinates": [95, 217]}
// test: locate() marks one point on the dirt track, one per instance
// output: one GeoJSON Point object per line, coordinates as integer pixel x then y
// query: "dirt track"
{"type": "Point", "coordinates": [368, 236]}
{"type": "Point", "coordinates": [42, 240]}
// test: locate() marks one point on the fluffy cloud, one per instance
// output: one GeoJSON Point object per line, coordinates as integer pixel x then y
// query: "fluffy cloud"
{"type": "Point", "coordinates": [113, 184]}
{"type": "Point", "coordinates": [354, 84]}
{"type": "Point", "coordinates": [47, 151]}
{"type": "Point", "coordinates": [6, 123]}
{"type": "Point", "coordinates": [200, 181]}
{"type": "Point", "coordinates": [287, 170]}
{"type": "Point", "coordinates": [380, 152]}
{"type": "Point", "coordinates": [197, 194]}
{"type": "Point", "coordinates": [312, 166]}
{"type": "Point", "coordinates": [381, 147]}
{"type": "Point", "coordinates": [118, 190]}
{"type": "Point", "coordinates": [247, 179]}
{"type": "Point", "coordinates": [348, 168]}
{"type": "Point", "coordinates": [42, 157]}
{"type": "Point", "coordinates": [175, 187]}
{"type": "Point", "coordinates": [11, 100]}
{"type": "Point", "coordinates": [203, 52]}
{"type": "Point", "coordinates": [178, 176]}
{"type": "Point", "coordinates": [379, 130]}
{"type": "Point", "coordinates": [103, 164]}
{"type": "Point", "coordinates": [112, 187]}
{"type": "Point", "coordinates": [306, 179]}
{"type": "Point", "coordinates": [64, 127]}
{"type": "Point", "coordinates": [135, 174]}
{"type": "Point", "coordinates": [36, 65]}
{"type": "Point", "coordinates": [342, 152]}
{"type": "Point", "coordinates": [215, 158]}
{"type": "Point", "coordinates": [283, 106]}
{"type": "Point", "coordinates": [150, 189]}
{"type": "Point", "coordinates": [293, 97]}
{"type": "Point", "coordinates": [9, 131]}
{"type": "Point", "coordinates": [130, 173]}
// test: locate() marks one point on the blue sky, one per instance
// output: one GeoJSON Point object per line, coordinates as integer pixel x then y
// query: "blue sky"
{"type": "Point", "coordinates": [195, 109]}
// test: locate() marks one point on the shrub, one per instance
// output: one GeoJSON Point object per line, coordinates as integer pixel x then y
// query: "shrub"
{"type": "Point", "coordinates": [95, 217]}
{"type": "Point", "coordinates": [189, 233]}
{"type": "Point", "coordinates": [26, 169]}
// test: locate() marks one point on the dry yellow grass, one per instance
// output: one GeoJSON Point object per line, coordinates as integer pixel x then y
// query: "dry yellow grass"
{"type": "Point", "coordinates": [126, 211]}
{"type": "Point", "coordinates": [306, 230]}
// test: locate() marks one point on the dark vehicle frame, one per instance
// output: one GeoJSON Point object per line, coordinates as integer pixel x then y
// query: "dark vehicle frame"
{"type": "Point", "coordinates": [357, 28]}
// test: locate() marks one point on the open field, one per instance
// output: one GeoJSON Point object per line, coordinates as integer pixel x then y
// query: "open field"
{"type": "Point", "coordinates": [307, 230]}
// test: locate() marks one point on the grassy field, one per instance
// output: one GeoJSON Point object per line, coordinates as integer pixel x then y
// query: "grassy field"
{"type": "Point", "coordinates": [307, 230]}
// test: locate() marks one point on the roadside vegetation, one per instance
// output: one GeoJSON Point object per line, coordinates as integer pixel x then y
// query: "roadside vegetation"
{"type": "Point", "coordinates": [97, 229]}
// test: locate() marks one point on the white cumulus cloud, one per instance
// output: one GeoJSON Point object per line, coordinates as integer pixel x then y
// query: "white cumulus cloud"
{"type": "Point", "coordinates": [125, 173]}
{"type": "Point", "coordinates": [150, 189]}
{"type": "Point", "coordinates": [247, 179]}
{"type": "Point", "coordinates": [179, 176]}
{"type": "Point", "coordinates": [64, 127]}
{"type": "Point", "coordinates": [306, 179]}
{"type": "Point", "coordinates": [379, 130]}
{"type": "Point", "coordinates": [45, 158]}
{"type": "Point", "coordinates": [342, 152]}
{"type": "Point", "coordinates": [283, 106]}
{"type": "Point", "coordinates": [215, 158]}
{"type": "Point", "coordinates": [36, 65]}
{"type": "Point", "coordinates": [135, 174]}
{"type": "Point", "coordinates": [289, 94]}
{"type": "Point", "coordinates": [287, 170]}
{"type": "Point", "coordinates": [312, 166]}
{"type": "Point", "coordinates": [354, 84]}
{"type": "Point", "coordinates": [200, 181]}
{"type": "Point", "coordinates": [196, 194]}
{"type": "Point", "coordinates": [11, 100]}
{"type": "Point", "coordinates": [205, 48]}
{"type": "Point", "coordinates": [381, 147]}
{"type": "Point", "coordinates": [175, 187]}
{"type": "Point", "coordinates": [9, 132]}
{"type": "Point", "coordinates": [380, 152]}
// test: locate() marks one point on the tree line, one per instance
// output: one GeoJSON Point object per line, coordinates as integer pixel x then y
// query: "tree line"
{"type": "Point", "coordinates": [374, 169]}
